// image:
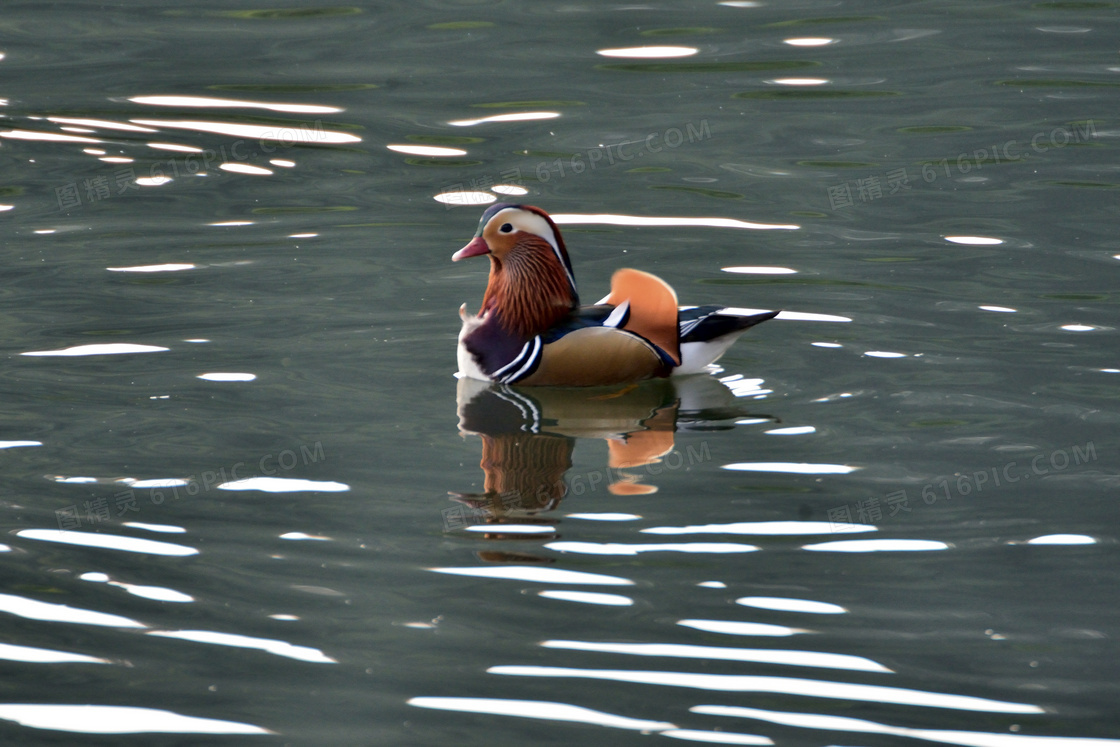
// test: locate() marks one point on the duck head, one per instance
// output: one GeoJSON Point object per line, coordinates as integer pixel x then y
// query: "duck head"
{"type": "Point", "coordinates": [531, 282]}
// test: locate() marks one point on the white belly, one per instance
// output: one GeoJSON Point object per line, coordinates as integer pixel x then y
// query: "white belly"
{"type": "Point", "coordinates": [468, 366]}
{"type": "Point", "coordinates": [697, 356]}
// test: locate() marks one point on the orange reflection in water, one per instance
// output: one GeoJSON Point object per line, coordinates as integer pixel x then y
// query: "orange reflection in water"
{"type": "Point", "coordinates": [528, 438]}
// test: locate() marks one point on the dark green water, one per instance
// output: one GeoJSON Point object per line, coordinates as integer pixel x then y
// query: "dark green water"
{"type": "Point", "coordinates": [951, 171]}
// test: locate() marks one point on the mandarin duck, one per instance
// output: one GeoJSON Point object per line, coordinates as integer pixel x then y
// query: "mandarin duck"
{"type": "Point", "coordinates": [531, 329]}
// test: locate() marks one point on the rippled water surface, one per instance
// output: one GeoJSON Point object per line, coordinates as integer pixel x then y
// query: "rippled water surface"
{"type": "Point", "coordinates": [246, 502]}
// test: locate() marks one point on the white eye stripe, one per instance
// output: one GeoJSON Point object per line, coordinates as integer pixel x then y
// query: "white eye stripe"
{"type": "Point", "coordinates": [523, 220]}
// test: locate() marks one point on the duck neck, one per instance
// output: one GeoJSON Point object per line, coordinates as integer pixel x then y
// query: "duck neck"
{"type": "Point", "coordinates": [529, 292]}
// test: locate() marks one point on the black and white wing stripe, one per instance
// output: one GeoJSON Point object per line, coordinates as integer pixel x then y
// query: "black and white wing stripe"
{"type": "Point", "coordinates": [522, 365]}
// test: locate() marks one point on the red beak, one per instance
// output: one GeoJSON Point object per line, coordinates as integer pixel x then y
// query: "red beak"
{"type": "Point", "coordinates": [475, 248]}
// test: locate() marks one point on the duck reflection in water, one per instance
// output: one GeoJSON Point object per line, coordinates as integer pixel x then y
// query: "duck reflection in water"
{"type": "Point", "coordinates": [528, 436]}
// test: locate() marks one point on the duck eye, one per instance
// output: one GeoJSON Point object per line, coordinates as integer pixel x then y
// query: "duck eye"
{"type": "Point", "coordinates": [506, 228]}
